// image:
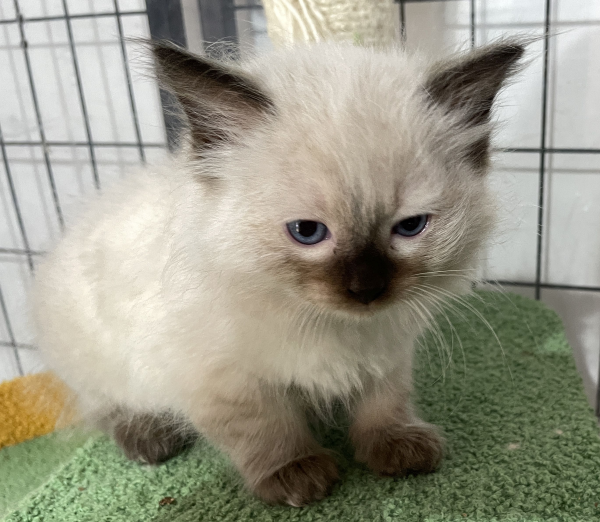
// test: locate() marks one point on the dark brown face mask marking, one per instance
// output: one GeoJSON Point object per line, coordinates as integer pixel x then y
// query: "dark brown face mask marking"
{"type": "Point", "coordinates": [359, 280]}
{"type": "Point", "coordinates": [367, 275]}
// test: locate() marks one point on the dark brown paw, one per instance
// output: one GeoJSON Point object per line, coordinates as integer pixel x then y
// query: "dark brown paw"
{"type": "Point", "coordinates": [152, 439]}
{"type": "Point", "coordinates": [399, 450]}
{"type": "Point", "coordinates": [300, 482]}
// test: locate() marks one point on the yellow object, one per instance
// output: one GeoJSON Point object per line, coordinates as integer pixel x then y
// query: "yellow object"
{"type": "Point", "coordinates": [32, 406]}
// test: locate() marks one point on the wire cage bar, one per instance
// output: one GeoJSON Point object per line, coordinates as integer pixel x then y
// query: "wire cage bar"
{"type": "Point", "coordinates": [12, 341]}
{"type": "Point", "coordinates": [84, 110]}
{"type": "Point", "coordinates": [38, 116]}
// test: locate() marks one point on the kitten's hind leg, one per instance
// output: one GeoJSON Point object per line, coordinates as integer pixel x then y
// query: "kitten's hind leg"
{"type": "Point", "coordinates": [150, 438]}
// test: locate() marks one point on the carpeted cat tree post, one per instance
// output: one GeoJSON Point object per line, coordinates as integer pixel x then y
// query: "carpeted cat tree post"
{"type": "Point", "coordinates": [367, 22]}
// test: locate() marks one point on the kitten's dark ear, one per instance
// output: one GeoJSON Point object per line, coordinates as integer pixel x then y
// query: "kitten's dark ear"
{"type": "Point", "coordinates": [218, 101]}
{"type": "Point", "coordinates": [467, 85]}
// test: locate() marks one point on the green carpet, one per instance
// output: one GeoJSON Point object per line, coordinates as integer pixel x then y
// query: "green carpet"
{"type": "Point", "coordinates": [523, 445]}
{"type": "Point", "coordinates": [26, 466]}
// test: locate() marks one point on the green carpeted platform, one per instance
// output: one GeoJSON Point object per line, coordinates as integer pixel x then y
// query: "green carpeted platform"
{"type": "Point", "coordinates": [523, 445]}
{"type": "Point", "coordinates": [27, 466]}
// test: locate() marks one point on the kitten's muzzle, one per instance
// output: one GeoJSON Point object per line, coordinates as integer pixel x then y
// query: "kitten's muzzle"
{"type": "Point", "coordinates": [368, 276]}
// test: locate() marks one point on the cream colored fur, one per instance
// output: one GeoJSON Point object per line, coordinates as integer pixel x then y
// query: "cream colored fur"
{"type": "Point", "coordinates": [172, 292]}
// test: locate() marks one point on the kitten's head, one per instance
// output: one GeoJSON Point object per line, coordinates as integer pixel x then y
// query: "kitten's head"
{"type": "Point", "coordinates": [348, 177]}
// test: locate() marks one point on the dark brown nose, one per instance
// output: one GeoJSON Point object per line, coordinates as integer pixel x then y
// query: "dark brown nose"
{"type": "Point", "coordinates": [368, 275]}
{"type": "Point", "coordinates": [366, 295]}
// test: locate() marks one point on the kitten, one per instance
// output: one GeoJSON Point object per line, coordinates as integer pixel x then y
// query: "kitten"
{"type": "Point", "coordinates": [327, 198]}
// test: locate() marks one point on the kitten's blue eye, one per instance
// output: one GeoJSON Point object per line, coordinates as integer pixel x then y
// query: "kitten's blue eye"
{"type": "Point", "coordinates": [411, 226]}
{"type": "Point", "coordinates": [307, 232]}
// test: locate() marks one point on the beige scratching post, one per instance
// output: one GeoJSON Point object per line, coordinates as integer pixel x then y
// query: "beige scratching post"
{"type": "Point", "coordinates": [365, 22]}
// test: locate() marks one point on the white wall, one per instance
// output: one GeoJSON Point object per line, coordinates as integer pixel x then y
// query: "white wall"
{"type": "Point", "coordinates": [571, 248]}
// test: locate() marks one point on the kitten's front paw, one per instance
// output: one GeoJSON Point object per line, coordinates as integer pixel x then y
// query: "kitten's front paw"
{"type": "Point", "coordinates": [300, 482]}
{"type": "Point", "coordinates": [399, 450]}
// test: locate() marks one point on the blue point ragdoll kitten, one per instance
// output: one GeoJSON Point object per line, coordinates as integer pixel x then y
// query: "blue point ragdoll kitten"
{"type": "Point", "coordinates": [326, 199]}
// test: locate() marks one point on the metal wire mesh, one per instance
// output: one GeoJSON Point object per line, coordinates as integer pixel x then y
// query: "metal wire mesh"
{"type": "Point", "coordinates": [20, 21]}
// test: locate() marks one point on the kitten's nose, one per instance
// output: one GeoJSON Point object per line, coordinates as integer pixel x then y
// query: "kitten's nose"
{"type": "Point", "coordinates": [366, 295]}
{"type": "Point", "coordinates": [367, 275]}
